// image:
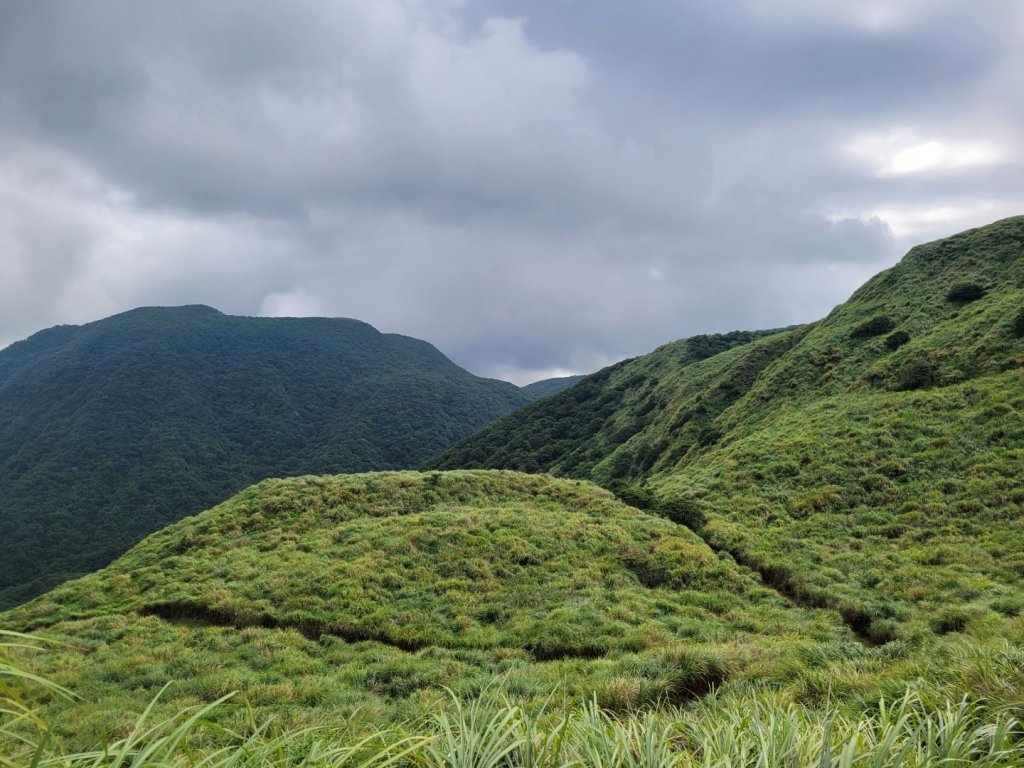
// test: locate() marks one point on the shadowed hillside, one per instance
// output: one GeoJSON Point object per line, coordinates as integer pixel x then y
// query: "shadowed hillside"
{"type": "Point", "coordinates": [547, 387]}
{"type": "Point", "coordinates": [602, 428]}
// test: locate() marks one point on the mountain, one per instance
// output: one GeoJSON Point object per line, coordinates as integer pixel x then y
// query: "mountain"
{"type": "Point", "coordinates": [545, 387]}
{"type": "Point", "coordinates": [868, 463]}
{"type": "Point", "coordinates": [111, 430]}
{"type": "Point", "coordinates": [317, 596]}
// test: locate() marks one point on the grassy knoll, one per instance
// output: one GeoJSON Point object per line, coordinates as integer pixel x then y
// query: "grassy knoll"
{"type": "Point", "coordinates": [314, 595]}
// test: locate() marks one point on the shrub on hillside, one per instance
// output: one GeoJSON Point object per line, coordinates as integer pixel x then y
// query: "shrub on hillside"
{"type": "Point", "coordinates": [897, 339]}
{"type": "Point", "coordinates": [883, 631]}
{"type": "Point", "coordinates": [952, 619]}
{"type": "Point", "coordinates": [682, 510]}
{"type": "Point", "coordinates": [1018, 325]}
{"type": "Point", "coordinates": [876, 326]}
{"type": "Point", "coordinates": [633, 494]}
{"type": "Point", "coordinates": [916, 374]}
{"type": "Point", "coordinates": [965, 293]}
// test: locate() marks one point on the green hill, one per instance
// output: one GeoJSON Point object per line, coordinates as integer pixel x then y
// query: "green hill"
{"type": "Point", "coordinates": [111, 430]}
{"type": "Point", "coordinates": [318, 594]}
{"type": "Point", "coordinates": [610, 425]}
{"type": "Point", "coordinates": [869, 462]}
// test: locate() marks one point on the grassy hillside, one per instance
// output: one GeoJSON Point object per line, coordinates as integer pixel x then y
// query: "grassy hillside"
{"type": "Point", "coordinates": [601, 427]}
{"type": "Point", "coordinates": [314, 594]}
{"type": "Point", "coordinates": [110, 430]}
{"type": "Point", "coordinates": [869, 462]}
{"type": "Point", "coordinates": [557, 617]}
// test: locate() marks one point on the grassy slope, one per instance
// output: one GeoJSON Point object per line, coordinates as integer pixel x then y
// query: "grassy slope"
{"type": "Point", "coordinates": [608, 426]}
{"type": "Point", "coordinates": [374, 590]}
{"type": "Point", "coordinates": [886, 481]}
{"type": "Point", "coordinates": [110, 430]}
{"type": "Point", "coordinates": [853, 467]}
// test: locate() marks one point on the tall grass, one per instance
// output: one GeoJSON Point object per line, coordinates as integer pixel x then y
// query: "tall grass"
{"type": "Point", "coordinates": [756, 730]}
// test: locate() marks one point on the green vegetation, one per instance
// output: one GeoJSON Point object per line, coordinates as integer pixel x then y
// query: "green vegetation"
{"type": "Point", "coordinates": [545, 387]}
{"type": "Point", "coordinates": [374, 590]}
{"type": "Point", "coordinates": [111, 430]}
{"type": "Point", "coordinates": [875, 475]}
{"type": "Point", "coordinates": [876, 326]}
{"type": "Point", "coordinates": [488, 730]}
{"type": "Point", "coordinates": [614, 410]}
{"type": "Point", "coordinates": [809, 550]}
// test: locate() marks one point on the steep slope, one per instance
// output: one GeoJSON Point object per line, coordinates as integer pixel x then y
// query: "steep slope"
{"type": "Point", "coordinates": [876, 467]}
{"type": "Point", "coordinates": [315, 593]}
{"type": "Point", "coordinates": [869, 462]}
{"type": "Point", "coordinates": [609, 426]}
{"type": "Point", "coordinates": [110, 430]}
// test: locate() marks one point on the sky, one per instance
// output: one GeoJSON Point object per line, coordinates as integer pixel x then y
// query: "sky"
{"type": "Point", "coordinates": [537, 187]}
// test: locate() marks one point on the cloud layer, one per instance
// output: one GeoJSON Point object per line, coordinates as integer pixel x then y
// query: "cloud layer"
{"type": "Point", "coordinates": [532, 186]}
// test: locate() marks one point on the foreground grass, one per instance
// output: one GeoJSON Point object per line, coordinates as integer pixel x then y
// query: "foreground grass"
{"type": "Point", "coordinates": [762, 729]}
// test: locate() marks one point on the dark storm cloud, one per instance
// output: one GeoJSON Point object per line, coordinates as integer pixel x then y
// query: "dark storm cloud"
{"type": "Point", "coordinates": [533, 186]}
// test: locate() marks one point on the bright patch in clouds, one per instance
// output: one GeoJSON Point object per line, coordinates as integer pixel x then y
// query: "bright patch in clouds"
{"type": "Point", "coordinates": [901, 153]}
{"type": "Point", "coordinates": [291, 304]}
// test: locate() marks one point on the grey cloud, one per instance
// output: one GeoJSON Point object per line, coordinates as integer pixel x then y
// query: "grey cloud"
{"type": "Point", "coordinates": [533, 186]}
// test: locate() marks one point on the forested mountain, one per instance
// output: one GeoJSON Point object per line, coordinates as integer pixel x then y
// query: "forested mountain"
{"type": "Point", "coordinates": [110, 430]}
{"type": "Point", "coordinates": [869, 462]}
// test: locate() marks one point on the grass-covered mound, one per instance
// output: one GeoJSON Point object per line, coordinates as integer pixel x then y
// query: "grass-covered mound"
{"type": "Point", "coordinates": [315, 594]}
{"type": "Point", "coordinates": [111, 430]}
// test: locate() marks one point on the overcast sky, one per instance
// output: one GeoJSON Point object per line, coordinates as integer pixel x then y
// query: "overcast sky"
{"type": "Point", "coordinates": [535, 187]}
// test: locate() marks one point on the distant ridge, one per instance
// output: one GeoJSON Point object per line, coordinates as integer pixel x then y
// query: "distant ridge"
{"type": "Point", "coordinates": [111, 430]}
{"type": "Point", "coordinates": [546, 387]}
